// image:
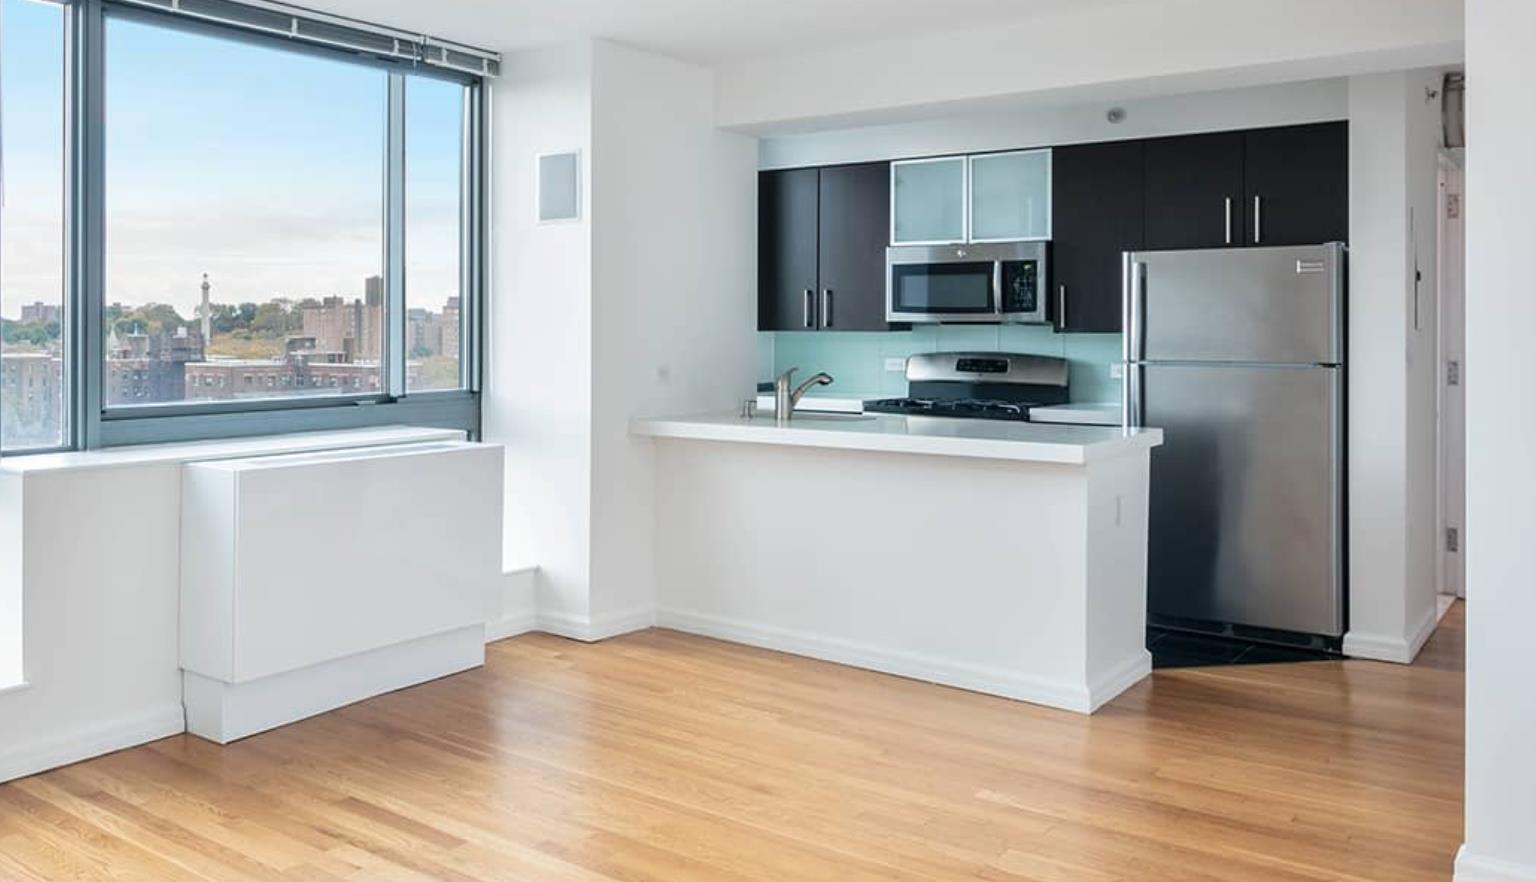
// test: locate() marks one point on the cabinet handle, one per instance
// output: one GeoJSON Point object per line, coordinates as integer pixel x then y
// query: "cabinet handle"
{"type": "Point", "coordinates": [810, 307]}
{"type": "Point", "coordinates": [1229, 220]}
{"type": "Point", "coordinates": [1061, 305]}
{"type": "Point", "coordinates": [1258, 219]}
{"type": "Point", "coordinates": [826, 308]}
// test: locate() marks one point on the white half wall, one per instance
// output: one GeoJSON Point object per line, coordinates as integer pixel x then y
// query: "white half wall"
{"type": "Point", "coordinates": [1501, 455]}
{"type": "Point", "coordinates": [1105, 51]}
{"type": "Point", "coordinates": [1394, 139]}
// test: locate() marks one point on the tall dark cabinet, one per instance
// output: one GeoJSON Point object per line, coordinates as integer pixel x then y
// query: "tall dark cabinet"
{"type": "Point", "coordinates": [1193, 195]}
{"type": "Point", "coordinates": [1296, 184]}
{"type": "Point", "coordinates": [1097, 207]}
{"type": "Point", "coordinates": [786, 249]}
{"type": "Point", "coordinates": [821, 248]}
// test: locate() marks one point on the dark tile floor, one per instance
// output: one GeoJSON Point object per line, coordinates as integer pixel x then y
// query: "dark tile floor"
{"type": "Point", "coordinates": [1181, 649]}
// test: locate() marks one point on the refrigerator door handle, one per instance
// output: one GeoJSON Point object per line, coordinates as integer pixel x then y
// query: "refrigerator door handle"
{"type": "Point", "coordinates": [1137, 332]}
{"type": "Point", "coordinates": [1132, 411]}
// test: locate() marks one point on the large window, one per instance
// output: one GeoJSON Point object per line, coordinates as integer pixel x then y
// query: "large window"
{"type": "Point", "coordinates": [248, 219]}
{"type": "Point", "coordinates": [33, 342]}
{"type": "Point", "coordinates": [244, 220]}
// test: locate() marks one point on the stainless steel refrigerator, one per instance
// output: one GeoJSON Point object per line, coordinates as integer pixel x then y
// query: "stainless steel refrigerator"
{"type": "Point", "coordinates": [1238, 355]}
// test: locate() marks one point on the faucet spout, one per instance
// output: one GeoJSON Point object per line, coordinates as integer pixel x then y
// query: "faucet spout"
{"type": "Point", "coordinates": [820, 379]}
{"type": "Point", "coordinates": [785, 399]}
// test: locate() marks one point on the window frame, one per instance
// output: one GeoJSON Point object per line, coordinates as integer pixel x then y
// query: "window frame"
{"type": "Point", "coordinates": [91, 424]}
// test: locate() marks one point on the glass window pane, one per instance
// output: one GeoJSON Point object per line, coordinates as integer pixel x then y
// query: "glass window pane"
{"type": "Point", "coordinates": [32, 352]}
{"type": "Point", "coordinates": [434, 151]}
{"type": "Point", "coordinates": [244, 220]}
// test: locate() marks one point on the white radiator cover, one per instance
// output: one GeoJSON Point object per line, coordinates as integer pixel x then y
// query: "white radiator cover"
{"type": "Point", "coordinates": [312, 581]}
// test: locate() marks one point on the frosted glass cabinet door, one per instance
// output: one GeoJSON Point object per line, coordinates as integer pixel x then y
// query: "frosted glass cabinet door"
{"type": "Point", "coordinates": [928, 201]}
{"type": "Point", "coordinates": [1011, 196]}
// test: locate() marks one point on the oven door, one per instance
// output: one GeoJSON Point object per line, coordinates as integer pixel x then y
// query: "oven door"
{"type": "Point", "coordinates": [952, 291]}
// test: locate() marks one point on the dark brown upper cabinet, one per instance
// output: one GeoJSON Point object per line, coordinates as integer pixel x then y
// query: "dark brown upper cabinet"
{"type": "Point", "coordinates": [821, 248]}
{"type": "Point", "coordinates": [787, 206]}
{"type": "Point", "coordinates": [1096, 199]}
{"type": "Point", "coordinates": [1296, 184]}
{"type": "Point", "coordinates": [1193, 195]}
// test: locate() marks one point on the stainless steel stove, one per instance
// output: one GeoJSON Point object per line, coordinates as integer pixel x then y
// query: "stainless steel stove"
{"type": "Point", "coordinates": [978, 385]}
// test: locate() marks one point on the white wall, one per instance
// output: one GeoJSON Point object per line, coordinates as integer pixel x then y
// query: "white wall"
{"type": "Point", "coordinates": [1052, 124]}
{"type": "Point", "coordinates": [538, 386]}
{"type": "Point", "coordinates": [647, 305]}
{"type": "Point", "coordinates": [673, 288]}
{"type": "Point", "coordinates": [1501, 466]}
{"type": "Point", "coordinates": [1109, 51]}
{"type": "Point", "coordinates": [98, 554]}
{"type": "Point", "coordinates": [1394, 136]}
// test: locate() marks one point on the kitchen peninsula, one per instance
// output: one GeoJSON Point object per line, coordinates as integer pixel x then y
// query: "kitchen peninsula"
{"type": "Point", "coordinates": [1007, 558]}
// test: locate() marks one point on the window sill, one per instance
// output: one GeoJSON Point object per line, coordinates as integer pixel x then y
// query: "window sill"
{"type": "Point", "coordinates": [267, 445]}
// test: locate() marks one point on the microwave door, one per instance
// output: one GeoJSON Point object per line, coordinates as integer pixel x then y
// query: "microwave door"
{"type": "Point", "coordinates": [951, 292]}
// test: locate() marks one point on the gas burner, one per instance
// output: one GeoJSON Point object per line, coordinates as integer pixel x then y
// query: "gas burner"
{"type": "Point", "coordinates": [969, 408]}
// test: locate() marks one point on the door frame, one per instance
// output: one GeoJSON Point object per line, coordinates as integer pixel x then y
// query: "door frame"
{"type": "Point", "coordinates": [1450, 397]}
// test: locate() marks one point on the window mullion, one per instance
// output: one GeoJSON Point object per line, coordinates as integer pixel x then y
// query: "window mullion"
{"type": "Point", "coordinates": [85, 220]}
{"type": "Point", "coordinates": [394, 239]}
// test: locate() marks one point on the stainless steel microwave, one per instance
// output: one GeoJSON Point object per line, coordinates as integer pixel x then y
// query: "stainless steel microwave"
{"type": "Point", "coordinates": [1000, 282]}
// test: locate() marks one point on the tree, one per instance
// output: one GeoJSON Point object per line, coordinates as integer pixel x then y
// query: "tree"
{"type": "Point", "coordinates": [271, 319]}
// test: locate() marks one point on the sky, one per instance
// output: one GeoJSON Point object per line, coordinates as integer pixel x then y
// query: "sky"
{"type": "Point", "coordinates": [259, 166]}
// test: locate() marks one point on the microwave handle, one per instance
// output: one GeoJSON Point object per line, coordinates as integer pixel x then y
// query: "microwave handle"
{"type": "Point", "coordinates": [998, 305]}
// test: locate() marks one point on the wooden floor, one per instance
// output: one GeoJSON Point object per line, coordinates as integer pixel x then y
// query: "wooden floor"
{"type": "Point", "coordinates": [660, 756]}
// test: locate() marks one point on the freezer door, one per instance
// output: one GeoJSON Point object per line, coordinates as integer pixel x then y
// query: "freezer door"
{"type": "Point", "coordinates": [1246, 495]}
{"type": "Point", "coordinates": [1268, 305]}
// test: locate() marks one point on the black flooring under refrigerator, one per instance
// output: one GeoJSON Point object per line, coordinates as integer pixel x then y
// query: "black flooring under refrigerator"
{"type": "Point", "coordinates": [1183, 649]}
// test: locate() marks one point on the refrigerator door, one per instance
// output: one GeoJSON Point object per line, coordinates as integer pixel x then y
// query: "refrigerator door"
{"type": "Point", "coordinates": [1265, 305]}
{"type": "Point", "coordinates": [1246, 495]}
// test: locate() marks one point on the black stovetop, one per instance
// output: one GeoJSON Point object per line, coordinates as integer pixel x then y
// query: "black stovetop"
{"type": "Point", "coordinates": [967, 408]}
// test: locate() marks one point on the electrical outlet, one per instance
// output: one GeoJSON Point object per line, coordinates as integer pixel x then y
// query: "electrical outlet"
{"type": "Point", "coordinates": [896, 365]}
{"type": "Point", "coordinates": [1116, 370]}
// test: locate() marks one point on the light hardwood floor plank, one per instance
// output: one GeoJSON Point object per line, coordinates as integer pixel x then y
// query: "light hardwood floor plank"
{"type": "Point", "coordinates": [663, 756]}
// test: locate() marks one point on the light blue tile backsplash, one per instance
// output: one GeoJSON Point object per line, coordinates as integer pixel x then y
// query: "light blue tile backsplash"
{"type": "Point", "coordinates": [857, 359]}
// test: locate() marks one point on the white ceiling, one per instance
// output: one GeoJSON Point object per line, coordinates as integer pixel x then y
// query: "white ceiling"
{"type": "Point", "coordinates": [709, 32]}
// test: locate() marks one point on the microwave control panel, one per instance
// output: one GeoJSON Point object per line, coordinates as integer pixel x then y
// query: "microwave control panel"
{"type": "Point", "coordinates": [1021, 286]}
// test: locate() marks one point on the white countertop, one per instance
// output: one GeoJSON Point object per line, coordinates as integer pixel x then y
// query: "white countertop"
{"type": "Point", "coordinates": [984, 439]}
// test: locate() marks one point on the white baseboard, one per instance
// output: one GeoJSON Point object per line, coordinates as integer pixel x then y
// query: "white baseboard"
{"type": "Point", "coordinates": [1476, 868]}
{"type": "Point", "coordinates": [511, 626]}
{"type": "Point", "coordinates": [84, 742]}
{"type": "Point", "coordinates": [1104, 689]}
{"type": "Point", "coordinates": [1392, 647]}
{"type": "Point", "coordinates": [1066, 695]}
{"type": "Point", "coordinates": [223, 712]}
{"type": "Point", "coordinates": [591, 630]}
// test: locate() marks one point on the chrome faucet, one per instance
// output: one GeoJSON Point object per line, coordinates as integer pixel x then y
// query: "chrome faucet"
{"type": "Point", "coordinates": [785, 399]}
